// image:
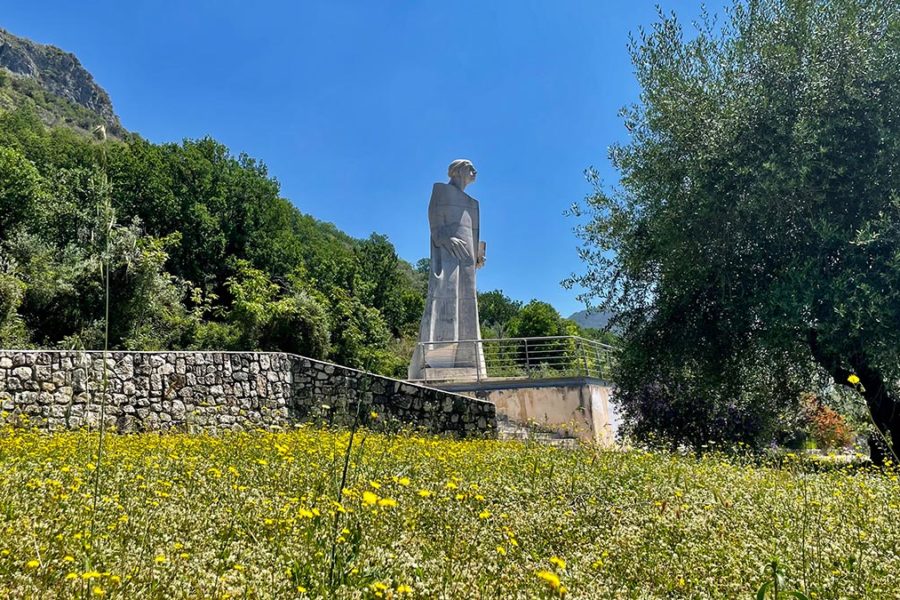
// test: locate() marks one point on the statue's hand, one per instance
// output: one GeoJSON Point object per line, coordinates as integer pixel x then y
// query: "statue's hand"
{"type": "Point", "coordinates": [458, 248]}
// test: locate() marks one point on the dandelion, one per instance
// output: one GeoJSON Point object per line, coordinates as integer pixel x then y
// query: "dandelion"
{"type": "Point", "coordinates": [550, 577]}
{"type": "Point", "coordinates": [389, 502]}
{"type": "Point", "coordinates": [33, 564]}
{"type": "Point", "coordinates": [853, 379]}
{"type": "Point", "coordinates": [160, 559]}
{"type": "Point", "coordinates": [425, 493]}
{"type": "Point", "coordinates": [485, 514]}
{"type": "Point", "coordinates": [560, 563]}
{"type": "Point", "coordinates": [404, 481]}
{"type": "Point", "coordinates": [404, 589]}
{"type": "Point", "coordinates": [369, 498]}
{"type": "Point", "coordinates": [501, 550]}
{"type": "Point", "coordinates": [97, 590]}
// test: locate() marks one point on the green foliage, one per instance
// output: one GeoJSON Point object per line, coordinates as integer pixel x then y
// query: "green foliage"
{"type": "Point", "coordinates": [19, 189]}
{"type": "Point", "coordinates": [753, 244]}
{"type": "Point", "coordinates": [496, 310]}
{"type": "Point", "coordinates": [537, 319]}
{"type": "Point", "coordinates": [203, 253]}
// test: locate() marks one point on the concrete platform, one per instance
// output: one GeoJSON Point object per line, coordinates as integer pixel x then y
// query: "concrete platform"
{"type": "Point", "coordinates": [576, 407]}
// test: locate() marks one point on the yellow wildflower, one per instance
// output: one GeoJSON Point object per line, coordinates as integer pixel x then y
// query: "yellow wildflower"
{"type": "Point", "coordinates": [387, 502]}
{"type": "Point", "coordinates": [369, 498]}
{"type": "Point", "coordinates": [551, 578]}
{"type": "Point", "coordinates": [853, 379]}
{"type": "Point", "coordinates": [558, 562]}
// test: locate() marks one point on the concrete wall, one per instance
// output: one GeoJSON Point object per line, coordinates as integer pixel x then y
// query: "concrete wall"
{"type": "Point", "coordinates": [213, 391]}
{"type": "Point", "coordinates": [578, 407]}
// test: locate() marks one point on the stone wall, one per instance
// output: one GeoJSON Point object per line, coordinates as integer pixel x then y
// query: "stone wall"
{"type": "Point", "coordinates": [214, 391]}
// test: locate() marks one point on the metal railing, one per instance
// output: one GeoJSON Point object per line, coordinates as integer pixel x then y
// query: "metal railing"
{"type": "Point", "coordinates": [514, 358]}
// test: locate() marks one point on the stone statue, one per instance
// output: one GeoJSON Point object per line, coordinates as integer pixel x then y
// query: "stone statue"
{"type": "Point", "coordinates": [451, 308]}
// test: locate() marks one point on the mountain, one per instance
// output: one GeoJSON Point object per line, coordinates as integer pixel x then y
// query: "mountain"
{"type": "Point", "coordinates": [591, 319]}
{"type": "Point", "coordinates": [55, 84]}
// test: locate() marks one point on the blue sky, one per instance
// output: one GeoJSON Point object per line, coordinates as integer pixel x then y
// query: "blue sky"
{"type": "Point", "coordinates": [358, 107]}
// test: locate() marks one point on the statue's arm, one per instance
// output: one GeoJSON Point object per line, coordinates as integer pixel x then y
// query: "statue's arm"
{"type": "Point", "coordinates": [441, 231]}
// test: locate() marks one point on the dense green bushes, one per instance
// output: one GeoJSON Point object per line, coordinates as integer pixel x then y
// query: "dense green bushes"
{"type": "Point", "coordinates": [202, 251]}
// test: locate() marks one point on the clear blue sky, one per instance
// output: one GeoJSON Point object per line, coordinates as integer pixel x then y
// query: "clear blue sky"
{"type": "Point", "coordinates": [358, 107]}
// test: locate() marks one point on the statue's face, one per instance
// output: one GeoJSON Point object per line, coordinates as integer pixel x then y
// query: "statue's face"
{"type": "Point", "coordinates": [472, 173]}
{"type": "Point", "coordinates": [467, 173]}
{"type": "Point", "coordinates": [462, 174]}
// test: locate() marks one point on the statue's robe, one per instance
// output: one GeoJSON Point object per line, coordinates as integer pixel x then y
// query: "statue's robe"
{"type": "Point", "coordinates": [451, 308]}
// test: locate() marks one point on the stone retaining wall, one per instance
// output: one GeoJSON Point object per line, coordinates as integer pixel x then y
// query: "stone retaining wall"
{"type": "Point", "coordinates": [214, 391]}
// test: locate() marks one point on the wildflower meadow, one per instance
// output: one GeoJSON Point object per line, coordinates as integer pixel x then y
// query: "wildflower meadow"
{"type": "Point", "coordinates": [265, 515]}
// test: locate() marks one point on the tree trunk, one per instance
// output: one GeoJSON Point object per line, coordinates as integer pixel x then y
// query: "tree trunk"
{"type": "Point", "coordinates": [884, 406]}
{"type": "Point", "coordinates": [885, 413]}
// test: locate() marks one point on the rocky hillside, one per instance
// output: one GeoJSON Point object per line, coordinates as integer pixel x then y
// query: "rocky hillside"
{"type": "Point", "coordinates": [53, 82]}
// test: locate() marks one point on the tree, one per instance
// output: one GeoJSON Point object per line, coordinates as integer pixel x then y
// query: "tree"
{"type": "Point", "coordinates": [537, 319]}
{"type": "Point", "coordinates": [496, 310]}
{"type": "Point", "coordinates": [752, 244]}
{"type": "Point", "coordinates": [19, 189]}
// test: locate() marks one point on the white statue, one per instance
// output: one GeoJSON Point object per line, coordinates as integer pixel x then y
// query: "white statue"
{"type": "Point", "coordinates": [451, 308]}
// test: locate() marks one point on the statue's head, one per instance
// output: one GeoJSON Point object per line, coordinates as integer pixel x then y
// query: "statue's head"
{"type": "Point", "coordinates": [462, 172]}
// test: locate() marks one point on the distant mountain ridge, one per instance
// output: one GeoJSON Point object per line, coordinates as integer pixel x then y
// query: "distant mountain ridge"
{"type": "Point", "coordinates": [43, 68]}
{"type": "Point", "coordinates": [591, 319]}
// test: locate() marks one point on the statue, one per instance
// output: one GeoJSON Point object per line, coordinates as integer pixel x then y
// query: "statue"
{"type": "Point", "coordinates": [451, 308]}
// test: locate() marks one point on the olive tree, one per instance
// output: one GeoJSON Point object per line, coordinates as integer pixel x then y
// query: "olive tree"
{"type": "Point", "coordinates": [753, 243]}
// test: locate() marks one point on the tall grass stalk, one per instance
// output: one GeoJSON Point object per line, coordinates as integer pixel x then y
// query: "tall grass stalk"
{"type": "Point", "coordinates": [108, 221]}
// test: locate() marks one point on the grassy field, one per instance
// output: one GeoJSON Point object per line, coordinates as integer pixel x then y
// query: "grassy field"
{"type": "Point", "coordinates": [257, 516]}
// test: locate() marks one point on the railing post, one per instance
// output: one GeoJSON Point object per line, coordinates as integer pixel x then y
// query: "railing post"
{"type": "Point", "coordinates": [587, 369]}
{"type": "Point", "coordinates": [527, 362]}
{"type": "Point", "coordinates": [478, 362]}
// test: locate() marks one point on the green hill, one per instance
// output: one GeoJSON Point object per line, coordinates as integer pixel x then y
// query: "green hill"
{"type": "Point", "coordinates": [201, 249]}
